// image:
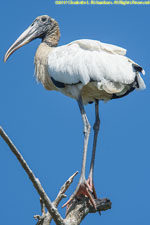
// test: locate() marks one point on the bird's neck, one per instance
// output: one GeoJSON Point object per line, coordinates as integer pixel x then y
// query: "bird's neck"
{"type": "Point", "coordinates": [52, 37]}
{"type": "Point", "coordinates": [41, 66]}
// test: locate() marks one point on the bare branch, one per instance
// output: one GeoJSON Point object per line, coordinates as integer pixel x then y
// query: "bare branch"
{"type": "Point", "coordinates": [78, 208]}
{"type": "Point", "coordinates": [35, 181]}
{"type": "Point", "coordinates": [42, 206]}
{"type": "Point", "coordinates": [46, 219]}
{"type": "Point", "coordinates": [63, 189]}
{"type": "Point", "coordinates": [81, 206]}
{"type": "Point", "coordinates": [43, 220]}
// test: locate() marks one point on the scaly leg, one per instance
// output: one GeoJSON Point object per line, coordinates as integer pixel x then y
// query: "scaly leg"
{"type": "Point", "coordinates": [96, 130]}
{"type": "Point", "coordinates": [83, 187]}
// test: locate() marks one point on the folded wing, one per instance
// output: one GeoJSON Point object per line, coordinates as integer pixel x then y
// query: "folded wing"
{"type": "Point", "coordinates": [88, 60]}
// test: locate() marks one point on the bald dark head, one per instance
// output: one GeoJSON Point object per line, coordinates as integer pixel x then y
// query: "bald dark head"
{"type": "Point", "coordinates": [42, 27]}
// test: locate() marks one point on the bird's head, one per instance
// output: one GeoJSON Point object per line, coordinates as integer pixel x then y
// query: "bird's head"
{"type": "Point", "coordinates": [42, 27]}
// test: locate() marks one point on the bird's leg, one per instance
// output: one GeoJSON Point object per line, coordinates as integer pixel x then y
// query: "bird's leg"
{"type": "Point", "coordinates": [96, 130]}
{"type": "Point", "coordinates": [83, 187]}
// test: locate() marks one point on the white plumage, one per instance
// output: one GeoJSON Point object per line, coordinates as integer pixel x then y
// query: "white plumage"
{"type": "Point", "coordinates": [82, 61]}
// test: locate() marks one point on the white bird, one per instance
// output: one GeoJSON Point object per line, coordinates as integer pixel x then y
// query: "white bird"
{"type": "Point", "coordinates": [86, 70]}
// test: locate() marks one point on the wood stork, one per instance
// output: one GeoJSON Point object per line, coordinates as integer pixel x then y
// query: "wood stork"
{"type": "Point", "coordinates": [86, 70]}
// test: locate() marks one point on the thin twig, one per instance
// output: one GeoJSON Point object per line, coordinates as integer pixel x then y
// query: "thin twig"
{"type": "Point", "coordinates": [42, 206]}
{"type": "Point", "coordinates": [46, 218]}
{"type": "Point", "coordinates": [61, 194]}
{"type": "Point", "coordinates": [63, 189]}
{"type": "Point", "coordinates": [35, 181]}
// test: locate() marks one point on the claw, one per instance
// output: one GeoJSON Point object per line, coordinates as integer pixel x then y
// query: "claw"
{"type": "Point", "coordinates": [83, 188]}
{"type": "Point", "coordinates": [91, 184]}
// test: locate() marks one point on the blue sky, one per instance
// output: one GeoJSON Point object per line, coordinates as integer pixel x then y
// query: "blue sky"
{"type": "Point", "coordinates": [47, 127]}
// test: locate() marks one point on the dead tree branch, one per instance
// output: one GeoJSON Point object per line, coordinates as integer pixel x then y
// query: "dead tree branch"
{"type": "Point", "coordinates": [78, 208]}
{"type": "Point", "coordinates": [46, 218]}
{"type": "Point", "coordinates": [35, 181]}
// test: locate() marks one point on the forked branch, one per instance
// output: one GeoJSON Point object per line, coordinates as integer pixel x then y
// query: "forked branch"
{"type": "Point", "coordinates": [78, 208]}
{"type": "Point", "coordinates": [35, 181]}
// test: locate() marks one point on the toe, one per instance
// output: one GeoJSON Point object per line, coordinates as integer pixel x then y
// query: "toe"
{"type": "Point", "coordinates": [83, 188]}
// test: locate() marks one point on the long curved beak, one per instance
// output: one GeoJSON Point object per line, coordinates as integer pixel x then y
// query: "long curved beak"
{"type": "Point", "coordinates": [28, 35]}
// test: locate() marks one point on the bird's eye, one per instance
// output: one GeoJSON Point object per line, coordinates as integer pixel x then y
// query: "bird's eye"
{"type": "Point", "coordinates": [43, 19]}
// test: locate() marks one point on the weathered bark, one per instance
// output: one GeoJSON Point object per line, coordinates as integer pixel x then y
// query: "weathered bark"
{"type": "Point", "coordinates": [78, 208]}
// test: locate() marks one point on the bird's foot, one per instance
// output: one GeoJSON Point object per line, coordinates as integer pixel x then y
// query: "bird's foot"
{"type": "Point", "coordinates": [83, 188]}
{"type": "Point", "coordinates": [91, 184]}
